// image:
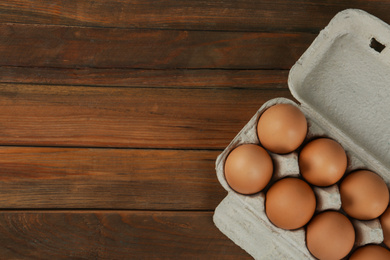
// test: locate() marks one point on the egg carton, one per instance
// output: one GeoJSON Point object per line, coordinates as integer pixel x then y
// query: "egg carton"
{"type": "Point", "coordinates": [342, 82]}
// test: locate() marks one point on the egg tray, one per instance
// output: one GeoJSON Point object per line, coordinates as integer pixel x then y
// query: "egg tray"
{"type": "Point", "coordinates": [271, 242]}
{"type": "Point", "coordinates": [338, 70]}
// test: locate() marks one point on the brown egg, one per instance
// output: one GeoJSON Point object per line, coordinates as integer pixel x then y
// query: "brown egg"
{"type": "Point", "coordinates": [330, 235]}
{"type": "Point", "coordinates": [248, 169]}
{"type": "Point", "coordinates": [371, 252]}
{"type": "Point", "coordinates": [290, 203]}
{"type": "Point", "coordinates": [282, 128]}
{"type": "Point", "coordinates": [364, 195]}
{"type": "Point", "coordinates": [385, 223]}
{"type": "Point", "coordinates": [322, 162]}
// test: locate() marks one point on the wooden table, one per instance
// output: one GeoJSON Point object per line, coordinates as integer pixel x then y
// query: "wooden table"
{"type": "Point", "coordinates": [113, 113]}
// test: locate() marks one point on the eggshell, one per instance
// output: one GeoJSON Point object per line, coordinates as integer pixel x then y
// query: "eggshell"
{"type": "Point", "coordinates": [385, 223]}
{"type": "Point", "coordinates": [322, 162]}
{"type": "Point", "coordinates": [364, 195]}
{"type": "Point", "coordinates": [373, 252]}
{"type": "Point", "coordinates": [290, 203]}
{"type": "Point", "coordinates": [248, 169]}
{"type": "Point", "coordinates": [330, 235]}
{"type": "Point", "coordinates": [282, 128]}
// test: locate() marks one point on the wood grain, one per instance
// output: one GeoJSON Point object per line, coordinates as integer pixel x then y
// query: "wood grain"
{"type": "Point", "coordinates": [175, 78]}
{"type": "Point", "coordinates": [113, 113]}
{"type": "Point", "coordinates": [113, 235]}
{"type": "Point", "coordinates": [108, 179]}
{"type": "Point", "coordinates": [244, 15]}
{"type": "Point", "coordinates": [70, 47]}
{"type": "Point", "coordinates": [126, 117]}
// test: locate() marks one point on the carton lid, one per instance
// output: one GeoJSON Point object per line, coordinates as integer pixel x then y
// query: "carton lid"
{"type": "Point", "coordinates": [343, 81]}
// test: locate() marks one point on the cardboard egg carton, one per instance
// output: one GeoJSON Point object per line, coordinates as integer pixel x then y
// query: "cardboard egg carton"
{"type": "Point", "coordinates": [343, 84]}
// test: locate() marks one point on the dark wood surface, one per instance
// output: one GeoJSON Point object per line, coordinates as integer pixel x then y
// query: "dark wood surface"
{"type": "Point", "coordinates": [112, 235]}
{"type": "Point", "coordinates": [113, 113]}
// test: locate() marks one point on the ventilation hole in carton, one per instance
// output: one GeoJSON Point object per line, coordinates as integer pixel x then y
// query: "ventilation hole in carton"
{"type": "Point", "coordinates": [377, 45]}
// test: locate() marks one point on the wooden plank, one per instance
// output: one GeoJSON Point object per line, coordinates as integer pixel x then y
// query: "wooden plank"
{"type": "Point", "coordinates": [175, 78]}
{"type": "Point", "coordinates": [252, 15]}
{"type": "Point", "coordinates": [69, 47]}
{"type": "Point", "coordinates": [113, 235]}
{"type": "Point", "coordinates": [108, 178]}
{"type": "Point", "coordinates": [126, 117]}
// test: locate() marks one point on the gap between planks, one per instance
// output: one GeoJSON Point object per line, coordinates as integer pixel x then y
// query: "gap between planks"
{"type": "Point", "coordinates": [106, 211]}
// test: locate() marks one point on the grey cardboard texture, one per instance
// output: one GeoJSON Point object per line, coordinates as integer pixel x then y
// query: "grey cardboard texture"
{"type": "Point", "coordinates": [343, 85]}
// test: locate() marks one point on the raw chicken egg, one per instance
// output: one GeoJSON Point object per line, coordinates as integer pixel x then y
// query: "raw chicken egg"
{"type": "Point", "coordinates": [330, 235]}
{"type": "Point", "coordinates": [248, 169]}
{"type": "Point", "coordinates": [373, 252]}
{"type": "Point", "coordinates": [322, 162]}
{"type": "Point", "coordinates": [385, 223]}
{"type": "Point", "coordinates": [290, 203]}
{"type": "Point", "coordinates": [364, 195]}
{"type": "Point", "coordinates": [282, 128]}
